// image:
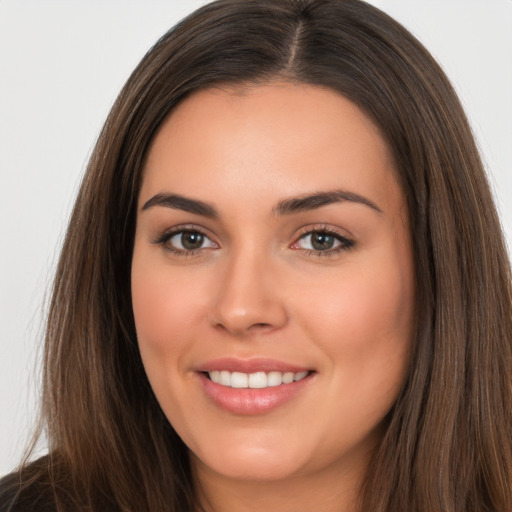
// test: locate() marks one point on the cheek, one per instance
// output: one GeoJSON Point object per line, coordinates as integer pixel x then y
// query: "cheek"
{"type": "Point", "coordinates": [165, 309]}
{"type": "Point", "coordinates": [364, 324]}
{"type": "Point", "coordinates": [365, 304]}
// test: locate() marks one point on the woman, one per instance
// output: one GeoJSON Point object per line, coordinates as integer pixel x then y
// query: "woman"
{"type": "Point", "coordinates": [283, 285]}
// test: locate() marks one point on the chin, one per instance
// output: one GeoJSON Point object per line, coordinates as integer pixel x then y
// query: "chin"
{"type": "Point", "coordinates": [271, 462]}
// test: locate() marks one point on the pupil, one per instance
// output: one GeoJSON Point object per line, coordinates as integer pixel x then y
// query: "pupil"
{"type": "Point", "coordinates": [191, 240]}
{"type": "Point", "coordinates": [322, 241]}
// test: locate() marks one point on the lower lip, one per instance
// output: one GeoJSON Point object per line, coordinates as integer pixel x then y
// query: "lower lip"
{"type": "Point", "coordinates": [249, 401]}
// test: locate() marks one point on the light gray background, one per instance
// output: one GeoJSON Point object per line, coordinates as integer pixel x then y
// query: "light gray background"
{"type": "Point", "coordinates": [62, 64]}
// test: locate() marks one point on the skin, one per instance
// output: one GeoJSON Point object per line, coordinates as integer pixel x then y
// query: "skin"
{"type": "Point", "coordinates": [257, 289]}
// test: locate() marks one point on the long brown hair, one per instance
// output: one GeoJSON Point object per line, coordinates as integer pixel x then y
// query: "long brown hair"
{"type": "Point", "coordinates": [448, 440]}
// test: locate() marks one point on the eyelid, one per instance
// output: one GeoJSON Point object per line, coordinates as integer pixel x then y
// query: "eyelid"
{"type": "Point", "coordinates": [168, 233]}
{"type": "Point", "coordinates": [346, 242]}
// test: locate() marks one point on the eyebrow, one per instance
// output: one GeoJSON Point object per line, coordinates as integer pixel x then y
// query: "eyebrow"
{"type": "Point", "coordinates": [319, 199]}
{"type": "Point", "coordinates": [284, 207]}
{"type": "Point", "coordinates": [182, 203]}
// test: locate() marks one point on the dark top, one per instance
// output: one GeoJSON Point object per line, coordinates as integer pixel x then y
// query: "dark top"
{"type": "Point", "coordinates": [40, 485]}
{"type": "Point", "coordinates": [34, 497]}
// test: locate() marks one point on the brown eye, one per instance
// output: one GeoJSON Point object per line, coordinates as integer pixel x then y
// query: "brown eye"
{"type": "Point", "coordinates": [191, 240]}
{"type": "Point", "coordinates": [186, 241]}
{"type": "Point", "coordinates": [323, 242]}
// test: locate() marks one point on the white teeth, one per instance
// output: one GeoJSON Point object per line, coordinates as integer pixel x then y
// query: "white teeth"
{"type": "Point", "coordinates": [239, 380]}
{"type": "Point", "coordinates": [299, 376]}
{"type": "Point", "coordinates": [225, 378]}
{"type": "Point", "coordinates": [274, 379]}
{"type": "Point", "coordinates": [258, 380]}
{"type": "Point", "coordinates": [288, 378]}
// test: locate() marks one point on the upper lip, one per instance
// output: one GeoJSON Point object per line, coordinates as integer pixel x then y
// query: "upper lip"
{"type": "Point", "coordinates": [252, 365]}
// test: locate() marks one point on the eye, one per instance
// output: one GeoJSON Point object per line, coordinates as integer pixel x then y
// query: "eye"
{"type": "Point", "coordinates": [185, 241]}
{"type": "Point", "coordinates": [323, 242]}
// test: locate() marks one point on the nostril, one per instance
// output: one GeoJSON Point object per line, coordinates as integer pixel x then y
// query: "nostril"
{"type": "Point", "coordinates": [248, 313]}
{"type": "Point", "coordinates": [260, 326]}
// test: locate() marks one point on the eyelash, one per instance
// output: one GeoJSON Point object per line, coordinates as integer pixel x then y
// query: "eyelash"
{"type": "Point", "coordinates": [165, 238]}
{"type": "Point", "coordinates": [345, 243]}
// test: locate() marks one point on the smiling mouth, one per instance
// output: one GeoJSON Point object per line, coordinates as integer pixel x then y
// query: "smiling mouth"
{"type": "Point", "coordinates": [253, 387]}
{"type": "Point", "coordinates": [257, 380]}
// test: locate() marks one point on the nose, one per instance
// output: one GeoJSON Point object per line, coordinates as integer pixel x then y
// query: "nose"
{"type": "Point", "coordinates": [249, 298]}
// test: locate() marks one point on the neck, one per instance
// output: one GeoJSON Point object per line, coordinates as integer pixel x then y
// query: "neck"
{"type": "Point", "coordinates": [329, 490]}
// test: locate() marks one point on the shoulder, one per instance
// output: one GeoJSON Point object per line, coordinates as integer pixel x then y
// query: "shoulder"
{"type": "Point", "coordinates": [27, 491]}
{"type": "Point", "coordinates": [15, 497]}
{"type": "Point", "coordinates": [44, 485]}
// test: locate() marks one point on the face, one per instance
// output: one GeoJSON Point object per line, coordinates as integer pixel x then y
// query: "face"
{"type": "Point", "coordinates": [272, 280]}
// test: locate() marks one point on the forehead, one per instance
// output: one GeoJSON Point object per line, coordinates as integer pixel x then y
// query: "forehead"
{"type": "Point", "coordinates": [276, 137]}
